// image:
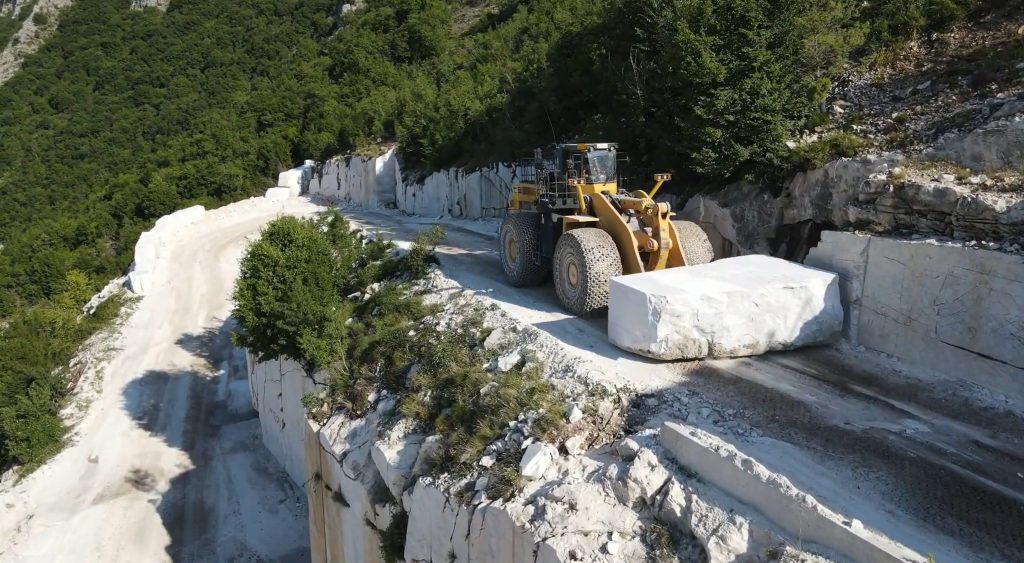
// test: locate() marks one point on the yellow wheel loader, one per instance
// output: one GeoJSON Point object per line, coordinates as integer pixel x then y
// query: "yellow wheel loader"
{"type": "Point", "coordinates": [570, 218]}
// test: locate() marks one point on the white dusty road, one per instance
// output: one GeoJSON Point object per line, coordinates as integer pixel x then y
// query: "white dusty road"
{"type": "Point", "coordinates": [168, 464]}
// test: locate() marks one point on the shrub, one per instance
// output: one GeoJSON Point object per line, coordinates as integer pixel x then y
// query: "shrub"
{"type": "Point", "coordinates": [392, 540]}
{"type": "Point", "coordinates": [26, 10]}
{"type": "Point", "coordinates": [817, 153]}
{"type": "Point", "coordinates": [452, 394]}
{"type": "Point", "coordinates": [895, 21]}
{"type": "Point", "coordinates": [897, 140]}
{"type": "Point", "coordinates": [40, 18]}
{"type": "Point", "coordinates": [35, 346]}
{"type": "Point", "coordinates": [304, 292]}
{"type": "Point", "coordinates": [287, 296]}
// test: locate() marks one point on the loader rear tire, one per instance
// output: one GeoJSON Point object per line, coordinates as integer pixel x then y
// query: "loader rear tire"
{"type": "Point", "coordinates": [697, 247]}
{"type": "Point", "coordinates": [519, 246]}
{"type": "Point", "coordinates": [585, 259]}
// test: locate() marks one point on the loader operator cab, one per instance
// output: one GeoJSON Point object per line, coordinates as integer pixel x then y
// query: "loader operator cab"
{"type": "Point", "coordinates": [571, 218]}
{"type": "Point", "coordinates": [552, 176]}
{"type": "Point", "coordinates": [599, 166]}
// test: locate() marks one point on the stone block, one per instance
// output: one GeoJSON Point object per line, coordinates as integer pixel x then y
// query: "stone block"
{"type": "Point", "coordinates": [293, 179]}
{"type": "Point", "coordinates": [395, 461]}
{"type": "Point", "coordinates": [722, 465]}
{"type": "Point", "coordinates": [536, 460]}
{"type": "Point", "coordinates": [179, 219]}
{"type": "Point", "coordinates": [734, 307]}
{"type": "Point", "coordinates": [278, 194]}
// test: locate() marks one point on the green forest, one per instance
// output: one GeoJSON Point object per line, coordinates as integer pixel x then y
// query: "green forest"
{"type": "Point", "coordinates": [123, 116]}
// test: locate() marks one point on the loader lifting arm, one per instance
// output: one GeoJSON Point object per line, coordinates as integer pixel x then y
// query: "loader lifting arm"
{"type": "Point", "coordinates": [571, 218]}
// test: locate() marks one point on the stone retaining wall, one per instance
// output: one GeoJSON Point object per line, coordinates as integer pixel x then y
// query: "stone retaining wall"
{"type": "Point", "coordinates": [951, 309]}
{"type": "Point", "coordinates": [372, 183]}
{"type": "Point", "coordinates": [152, 242]}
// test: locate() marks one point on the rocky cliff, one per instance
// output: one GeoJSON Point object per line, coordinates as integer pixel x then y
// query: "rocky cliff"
{"type": "Point", "coordinates": [598, 494]}
{"type": "Point", "coordinates": [158, 4]}
{"type": "Point", "coordinates": [968, 188]}
{"type": "Point", "coordinates": [376, 182]}
{"type": "Point", "coordinates": [30, 35]}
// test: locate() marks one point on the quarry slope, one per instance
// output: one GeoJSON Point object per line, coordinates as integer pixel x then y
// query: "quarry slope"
{"type": "Point", "coordinates": [169, 456]}
{"type": "Point", "coordinates": [167, 464]}
{"type": "Point", "coordinates": [920, 460]}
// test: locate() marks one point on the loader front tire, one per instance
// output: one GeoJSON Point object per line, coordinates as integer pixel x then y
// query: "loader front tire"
{"type": "Point", "coordinates": [519, 246]}
{"type": "Point", "coordinates": [585, 259]}
{"type": "Point", "coordinates": [696, 245]}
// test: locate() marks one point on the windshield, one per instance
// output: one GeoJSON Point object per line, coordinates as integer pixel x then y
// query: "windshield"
{"type": "Point", "coordinates": [602, 166]}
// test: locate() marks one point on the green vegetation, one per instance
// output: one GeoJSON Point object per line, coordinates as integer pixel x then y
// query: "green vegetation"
{"type": "Point", "coordinates": [123, 116]}
{"type": "Point", "coordinates": [317, 292]}
{"type": "Point", "coordinates": [708, 88]}
{"type": "Point", "coordinates": [40, 18]}
{"type": "Point", "coordinates": [507, 481]}
{"type": "Point", "coordinates": [816, 154]}
{"type": "Point", "coordinates": [8, 27]}
{"type": "Point", "coordinates": [893, 21]}
{"type": "Point", "coordinates": [35, 346]}
{"type": "Point", "coordinates": [662, 541]}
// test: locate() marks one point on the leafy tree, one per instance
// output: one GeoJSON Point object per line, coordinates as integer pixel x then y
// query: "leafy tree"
{"type": "Point", "coordinates": [288, 296]}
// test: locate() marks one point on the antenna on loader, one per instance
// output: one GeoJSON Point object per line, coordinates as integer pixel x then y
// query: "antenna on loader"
{"type": "Point", "coordinates": [554, 138]}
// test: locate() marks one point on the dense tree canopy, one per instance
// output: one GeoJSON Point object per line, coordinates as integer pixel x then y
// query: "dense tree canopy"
{"type": "Point", "coordinates": [121, 117]}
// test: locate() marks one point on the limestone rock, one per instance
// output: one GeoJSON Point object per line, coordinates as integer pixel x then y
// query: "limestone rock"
{"type": "Point", "coordinates": [847, 255]}
{"type": "Point", "coordinates": [495, 339]}
{"type": "Point", "coordinates": [536, 460]}
{"type": "Point", "coordinates": [278, 194]}
{"type": "Point", "coordinates": [377, 182]}
{"type": "Point", "coordinates": [574, 445]}
{"type": "Point", "coordinates": [986, 214]}
{"type": "Point", "coordinates": [508, 361]}
{"type": "Point", "coordinates": [150, 243]}
{"type": "Point", "coordinates": [735, 307]}
{"type": "Point", "coordinates": [575, 414]}
{"type": "Point", "coordinates": [646, 476]}
{"type": "Point", "coordinates": [395, 461]}
{"type": "Point", "coordinates": [487, 460]}
{"type": "Point", "coordinates": [158, 4]}
{"type": "Point", "coordinates": [996, 146]}
{"type": "Point", "coordinates": [627, 449]}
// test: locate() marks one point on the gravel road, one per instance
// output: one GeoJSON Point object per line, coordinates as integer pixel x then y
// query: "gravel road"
{"type": "Point", "coordinates": [168, 464]}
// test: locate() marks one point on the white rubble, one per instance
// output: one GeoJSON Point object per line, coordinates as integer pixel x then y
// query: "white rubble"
{"type": "Point", "coordinates": [508, 361]}
{"type": "Point", "coordinates": [536, 460]}
{"type": "Point", "coordinates": [734, 307]}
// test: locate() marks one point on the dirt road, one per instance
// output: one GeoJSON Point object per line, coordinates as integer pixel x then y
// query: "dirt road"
{"type": "Point", "coordinates": [168, 464]}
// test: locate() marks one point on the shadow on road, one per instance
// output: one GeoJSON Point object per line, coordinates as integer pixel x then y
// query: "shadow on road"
{"type": "Point", "coordinates": [231, 502]}
{"type": "Point", "coordinates": [212, 344]}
